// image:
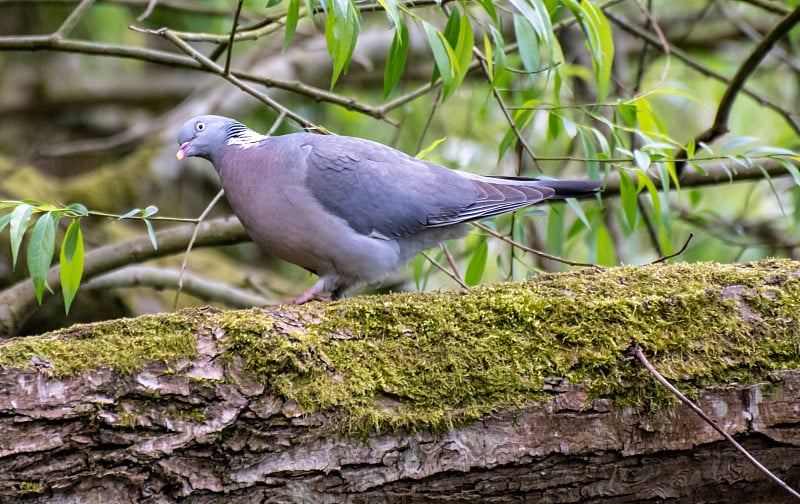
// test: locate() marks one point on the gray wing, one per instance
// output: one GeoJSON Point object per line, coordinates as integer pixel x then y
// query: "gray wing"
{"type": "Point", "coordinates": [377, 189]}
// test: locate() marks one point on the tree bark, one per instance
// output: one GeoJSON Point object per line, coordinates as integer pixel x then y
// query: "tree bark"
{"type": "Point", "coordinates": [214, 424]}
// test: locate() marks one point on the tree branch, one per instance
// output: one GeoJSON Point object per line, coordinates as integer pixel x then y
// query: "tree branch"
{"type": "Point", "coordinates": [167, 278]}
{"type": "Point", "coordinates": [720, 125]}
{"type": "Point", "coordinates": [18, 302]}
{"type": "Point", "coordinates": [696, 65]}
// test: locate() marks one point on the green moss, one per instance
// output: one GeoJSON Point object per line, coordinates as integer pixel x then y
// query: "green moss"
{"type": "Point", "coordinates": [124, 344]}
{"type": "Point", "coordinates": [436, 360]}
{"type": "Point", "coordinates": [31, 487]}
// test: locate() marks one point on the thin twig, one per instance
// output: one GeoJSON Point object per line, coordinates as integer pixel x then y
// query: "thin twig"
{"type": "Point", "coordinates": [651, 229]}
{"type": "Point", "coordinates": [277, 123]}
{"type": "Point", "coordinates": [233, 34]}
{"type": "Point", "coordinates": [151, 4]}
{"type": "Point", "coordinates": [207, 63]}
{"type": "Point", "coordinates": [69, 24]}
{"type": "Point", "coordinates": [445, 270]}
{"type": "Point", "coordinates": [539, 253]}
{"type": "Point", "coordinates": [675, 254]}
{"type": "Point", "coordinates": [637, 350]}
{"type": "Point", "coordinates": [452, 262]}
{"type": "Point", "coordinates": [430, 119]}
{"type": "Point", "coordinates": [191, 243]}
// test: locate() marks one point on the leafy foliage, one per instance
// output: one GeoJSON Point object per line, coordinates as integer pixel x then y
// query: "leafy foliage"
{"type": "Point", "coordinates": [527, 87]}
{"type": "Point", "coordinates": [42, 240]}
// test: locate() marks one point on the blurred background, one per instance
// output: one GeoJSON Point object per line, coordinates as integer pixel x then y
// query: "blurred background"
{"type": "Point", "coordinates": [92, 96]}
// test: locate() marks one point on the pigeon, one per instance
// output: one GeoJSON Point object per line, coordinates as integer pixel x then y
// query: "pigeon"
{"type": "Point", "coordinates": [347, 209]}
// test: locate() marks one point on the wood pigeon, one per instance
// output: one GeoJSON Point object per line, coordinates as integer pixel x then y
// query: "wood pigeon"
{"type": "Point", "coordinates": [347, 209]}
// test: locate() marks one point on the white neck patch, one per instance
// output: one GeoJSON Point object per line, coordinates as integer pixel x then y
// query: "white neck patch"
{"type": "Point", "coordinates": [242, 136]}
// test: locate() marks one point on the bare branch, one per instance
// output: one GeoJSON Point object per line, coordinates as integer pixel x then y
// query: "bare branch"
{"type": "Point", "coordinates": [230, 41]}
{"type": "Point", "coordinates": [69, 24]}
{"type": "Point", "coordinates": [167, 278]}
{"type": "Point", "coordinates": [539, 253]}
{"type": "Point", "coordinates": [676, 254]}
{"type": "Point", "coordinates": [637, 351]}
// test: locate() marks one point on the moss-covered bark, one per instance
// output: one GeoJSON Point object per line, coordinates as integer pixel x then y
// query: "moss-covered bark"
{"type": "Point", "coordinates": [372, 368]}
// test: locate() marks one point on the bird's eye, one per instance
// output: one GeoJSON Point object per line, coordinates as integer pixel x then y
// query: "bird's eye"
{"type": "Point", "coordinates": [200, 126]}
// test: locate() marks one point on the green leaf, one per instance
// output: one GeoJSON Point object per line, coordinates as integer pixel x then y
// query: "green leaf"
{"type": "Point", "coordinates": [737, 142]}
{"type": "Point", "coordinates": [272, 3]}
{"type": "Point", "coordinates": [443, 57]}
{"type": "Point", "coordinates": [628, 197]}
{"type": "Point", "coordinates": [535, 12]}
{"type": "Point", "coordinates": [20, 217]}
{"type": "Point", "coordinates": [41, 246]}
{"type": "Point", "coordinates": [128, 215]}
{"type": "Point", "coordinates": [396, 61]}
{"type": "Point", "coordinates": [791, 168]}
{"type": "Point", "coordinates": [390, 6]}
{"type": "Point", "coordinates": [590, 152]}
{"type": "Point", "coordinates": [427, 150]}
{"type": "Point", "coordinates": [578, 209]}
{"type": "Point", "coordinates": [488, 6]}
{"type": "Point", "coordinates": [487, 52]}
{"type": "Point", "coordinates": [642, 160]}
{"type": "Point", "coordinates": [71, 262]}
{"type": "Point", "coordinates": [463, 47]}
{"type": "Point", "coordinates": [4, 220]}
{"type": "Point", "coordinates": [771, 151]}
{"type": "Point", "coordinates": [77, 210]}
{"type": "Point", "coordinates": [597, 32]}
{"type": "Point", "coordinates": [690, 149]}
{"type": "Point", "coordinates": [477, 264]}
{"type": "Point", "coordinates": [292, 16]}
{"type": "Point", "coordinates": [628, 112]}
{"type": "Point", "coordinates": [554, 236]}
{"type": "Point", "coordinates": [527, 44]}
{"type": "Point", "coordinates": [605, 248]}
{"type": "Point", "coordinates": [553, 125]}
{"type": "Point", "coordinates": [341, 33]}
{"type": "Point", "coordinates": [499, 54]}
{"type": "Point", "coordinates": [151, 234]}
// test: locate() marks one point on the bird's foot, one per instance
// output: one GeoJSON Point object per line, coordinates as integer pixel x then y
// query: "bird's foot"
{"type": "Point", "coordinates": [311, 294]}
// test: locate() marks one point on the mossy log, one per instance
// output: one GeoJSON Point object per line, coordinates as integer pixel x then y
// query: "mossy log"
{"type": "Point", "coordinates": [504, 393]}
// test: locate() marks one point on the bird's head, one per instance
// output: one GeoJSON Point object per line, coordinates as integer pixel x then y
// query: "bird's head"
{"type": "Point", "coordinates": [204, 136]}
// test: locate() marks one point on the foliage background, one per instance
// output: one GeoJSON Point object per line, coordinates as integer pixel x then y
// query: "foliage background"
{"type": "Point", "coordinates": [92, 95]}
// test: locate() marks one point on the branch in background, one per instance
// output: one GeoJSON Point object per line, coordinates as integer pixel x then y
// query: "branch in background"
{"type": "Point", "coordinates": [532, 251]}
{"type": "Point", "coordinates": [696, 65]}
{"type": "Point", "coordinates": [676, 254]}
{"type": "Point", "coordinates": [716, 174]}
{"type": "Point", "coordinates": [769, 6]}
{"type": "Point", "coordinates": [174, 5]}
{"type": "Point", "coordinates": [720, 125]}
{"type": "Point", "coordinates": [215, 68]}
{"type": "Point", "coordinates": [18, 302]}
{"type": "Point", "coordinates": [167, 278]}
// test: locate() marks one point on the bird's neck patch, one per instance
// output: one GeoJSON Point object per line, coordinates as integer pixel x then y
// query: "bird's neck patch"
{"type": "Point", "coordinates": [242, 136]}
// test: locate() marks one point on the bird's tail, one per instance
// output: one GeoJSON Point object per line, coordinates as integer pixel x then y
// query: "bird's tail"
{"type": "Point", "coordinates": [572, 188]}
{"type": "Point", "coordinates": [563, 188]}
